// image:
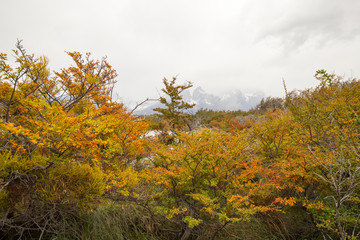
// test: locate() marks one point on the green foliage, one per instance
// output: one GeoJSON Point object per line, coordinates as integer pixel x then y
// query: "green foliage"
{"type": "Point", "coordinates": [226, 120]}
{"type": "Point", "coordinates": [270, 103]}
{"type": "Point", "coordinates": [323, 76]}
{"type": "Point", "coordinates": [34, 192]}
{"type": "Point", "coordinates": [10, 163]}
{"type": "Point", "coordinates": [192, 222]}
{"type": "Point", "coordinates": [71, 183]}
{"type": "Point", "coordinates": [175, 107]}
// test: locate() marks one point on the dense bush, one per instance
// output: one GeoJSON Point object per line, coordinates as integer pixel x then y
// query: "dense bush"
{"type": "Point", "coordinates": [74, 164]}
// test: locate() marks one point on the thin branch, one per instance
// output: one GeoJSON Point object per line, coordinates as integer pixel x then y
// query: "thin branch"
{"type": "Point", "coordinates": [141, 103]}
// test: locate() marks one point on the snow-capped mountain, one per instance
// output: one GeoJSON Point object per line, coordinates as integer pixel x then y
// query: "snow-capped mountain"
{"type": "Point", "coordinates": [229, 101]}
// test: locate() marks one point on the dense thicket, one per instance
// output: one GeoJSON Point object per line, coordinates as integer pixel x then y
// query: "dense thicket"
{"type": "Point", "coordinates": [74, 164]}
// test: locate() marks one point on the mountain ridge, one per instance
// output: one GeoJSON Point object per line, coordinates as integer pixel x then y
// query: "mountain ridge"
{"type": "Point", "coordinates": [229, 101]}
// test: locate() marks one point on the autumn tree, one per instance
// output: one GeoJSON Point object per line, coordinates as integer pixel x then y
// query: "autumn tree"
{"type": "Point", "coordinates": [328, 117]}
{"type": "Point", "coordinates": [312, 150]}
{"type": "Point", "coordinates": [175, 107]}
{"type": "Point", "coordinates": [50, 123]}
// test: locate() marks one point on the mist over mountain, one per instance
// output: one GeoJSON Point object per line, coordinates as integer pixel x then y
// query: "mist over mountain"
{"type": "Point", "coordinates": [228, 101]}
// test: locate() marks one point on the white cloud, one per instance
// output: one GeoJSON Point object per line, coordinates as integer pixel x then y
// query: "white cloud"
{"type": "Point", "coordinates": [215, 44]}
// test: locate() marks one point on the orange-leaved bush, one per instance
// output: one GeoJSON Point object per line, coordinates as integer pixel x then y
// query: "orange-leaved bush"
{"type": "Point", "coordinates": [63, 139]}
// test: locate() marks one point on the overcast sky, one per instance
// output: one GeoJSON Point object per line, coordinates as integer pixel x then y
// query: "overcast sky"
{"type": "Point", "coordinates": [219, 45]}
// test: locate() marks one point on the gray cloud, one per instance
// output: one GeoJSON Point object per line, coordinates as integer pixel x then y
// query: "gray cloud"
{"type": "Point", "coordinates": [305, 21]}
{"type": "Point", "coordinates": [215, 44]}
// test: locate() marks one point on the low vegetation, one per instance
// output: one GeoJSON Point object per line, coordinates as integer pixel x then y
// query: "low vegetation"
{"type": "Point", "coordinates": [74, 164]}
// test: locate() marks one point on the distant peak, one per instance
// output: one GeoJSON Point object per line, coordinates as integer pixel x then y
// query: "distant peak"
{"type": "Point", "coordinates": [230, 100]}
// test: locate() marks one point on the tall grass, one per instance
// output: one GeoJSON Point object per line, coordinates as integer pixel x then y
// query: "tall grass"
{"type": "Point", "coordinates": [127, 221]}
{"type": "Point", "coordinates": [112, 220]}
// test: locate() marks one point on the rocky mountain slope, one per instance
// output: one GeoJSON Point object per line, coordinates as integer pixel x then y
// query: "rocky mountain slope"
{"type": "Point", "coordinates": [229, 101]}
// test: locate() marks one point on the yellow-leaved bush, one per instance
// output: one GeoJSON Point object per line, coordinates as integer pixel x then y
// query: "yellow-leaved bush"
{"type": "Point", "coordinates": [207, 178]}
{"type": "Point", "coordinates": [63, 141]}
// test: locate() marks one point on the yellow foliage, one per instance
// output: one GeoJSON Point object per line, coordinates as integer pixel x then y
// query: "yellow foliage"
{"type": "Point", "coordinates": [72, 183]}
